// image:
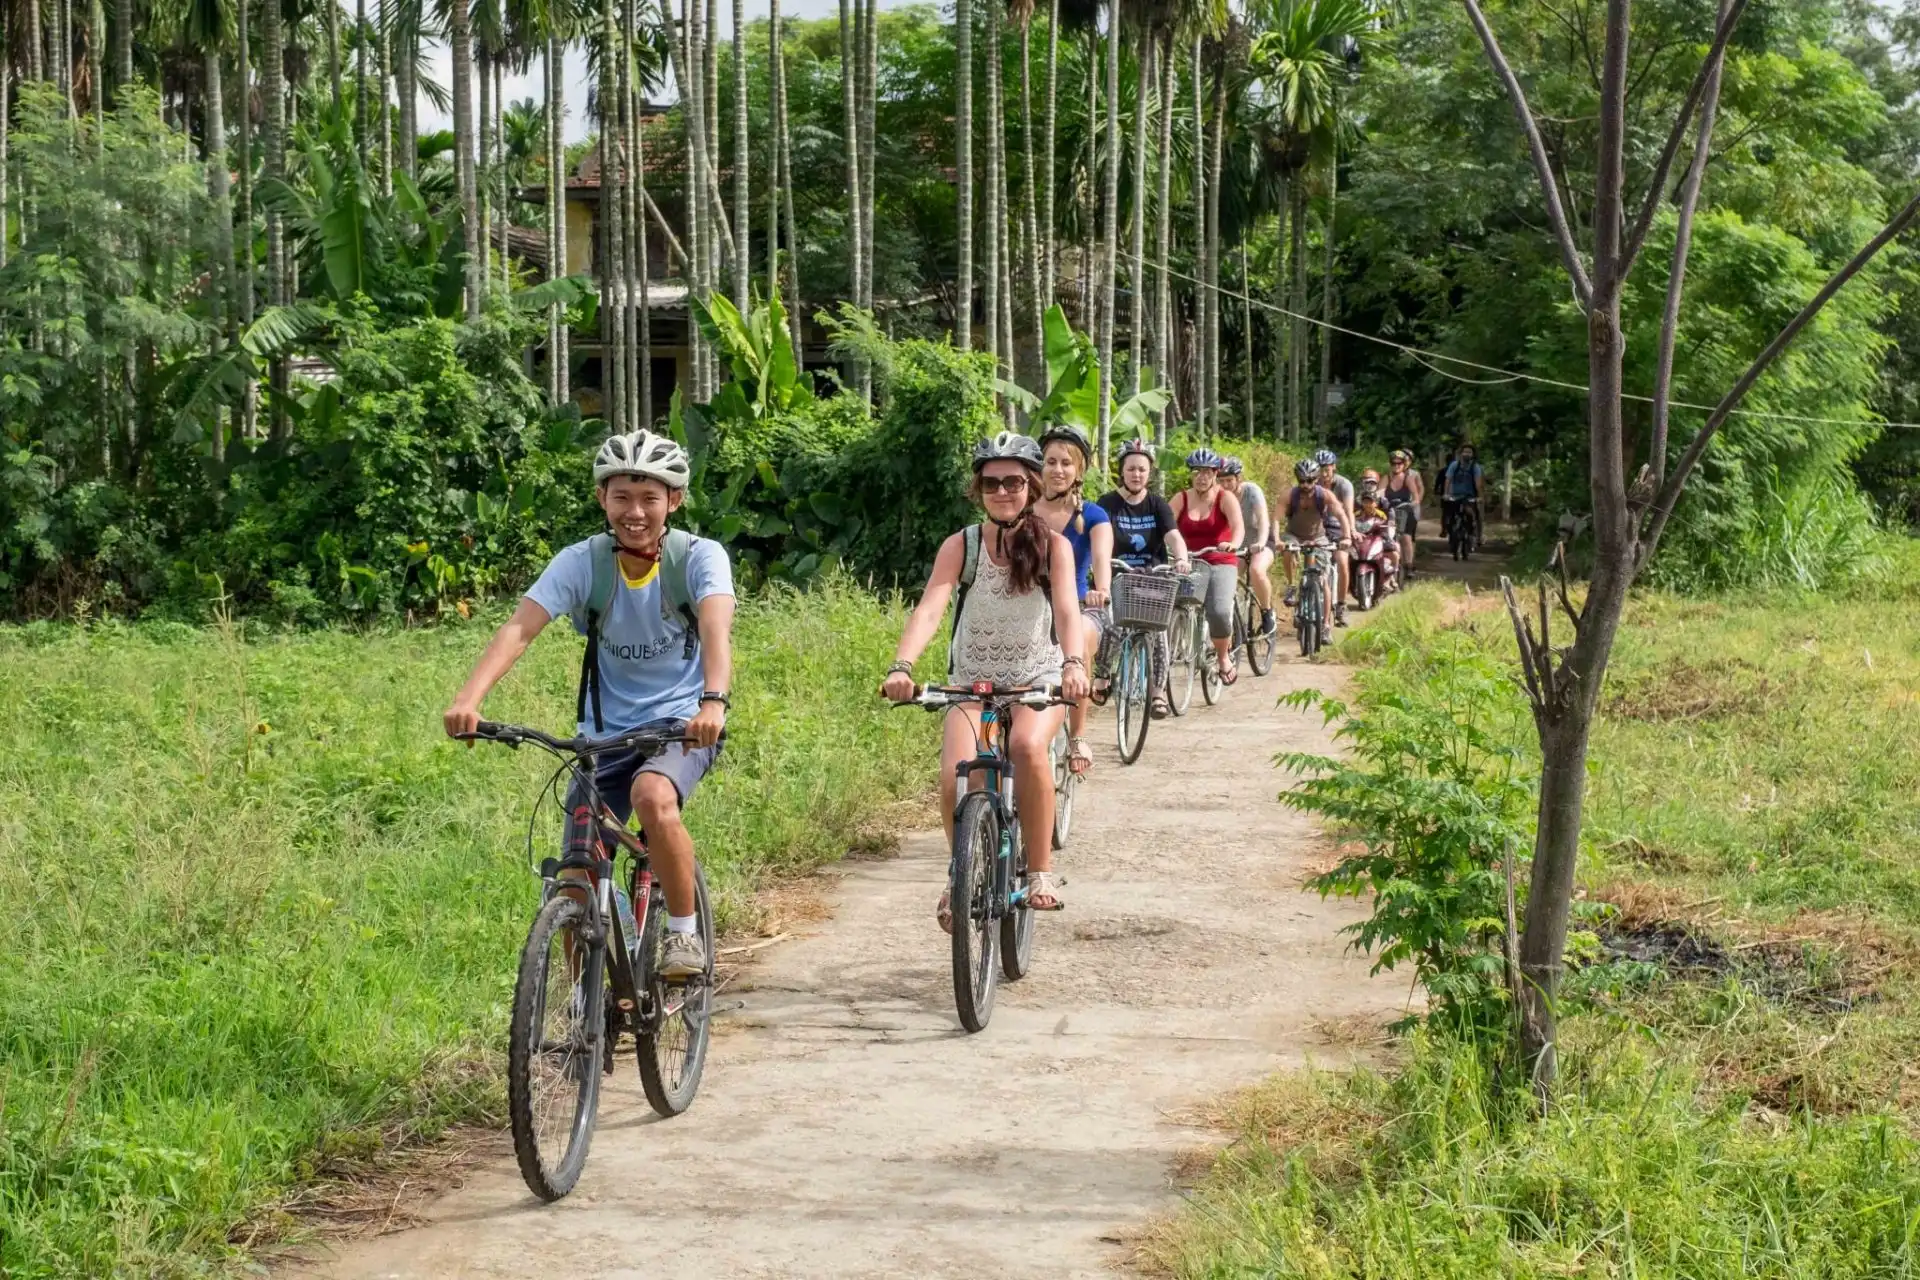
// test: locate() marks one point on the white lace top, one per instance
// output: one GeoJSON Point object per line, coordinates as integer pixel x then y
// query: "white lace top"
{"type": "Point", "coordinates": [1004, 636]}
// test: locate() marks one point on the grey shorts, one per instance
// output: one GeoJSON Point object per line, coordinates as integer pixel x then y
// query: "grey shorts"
{"type": "Point", "coordinates": [613, 774]}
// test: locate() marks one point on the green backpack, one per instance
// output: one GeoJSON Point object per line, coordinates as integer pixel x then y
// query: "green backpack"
{"type": "Point", "coordinates": [675, 598]}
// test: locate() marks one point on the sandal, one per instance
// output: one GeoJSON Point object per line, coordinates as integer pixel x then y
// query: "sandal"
{"type": "Point", "coordinates": [1044, 887]}
{"type": "Point", "coordinates": [944, 912]}
{"type": "Point", "coordinates": [1159, 708]}
{"type": "Point", "coordinates": [1080, 757]}
{"type": "Point", "coordinates": [1228, 674]}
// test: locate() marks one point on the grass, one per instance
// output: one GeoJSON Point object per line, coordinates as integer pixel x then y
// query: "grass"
{"type": "Point", "coordinates": [1739, 1030]}
{"type": "Point", "coordinates": [261, 912]}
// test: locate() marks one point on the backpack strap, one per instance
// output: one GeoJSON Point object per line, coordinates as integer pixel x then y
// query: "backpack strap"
{"type": "Point", "coordinates": [970, 544]}
{"type": "Point", "coordinates": [600, 554]}
{"type": "Point", "coordinates": [675, 595]}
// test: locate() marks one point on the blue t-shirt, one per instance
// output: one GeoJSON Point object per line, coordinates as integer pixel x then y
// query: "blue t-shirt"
{"type": "Point", "coordinates": [644, 673]}
{"type": "Point", "coordinates": [1463, 481]}
{"type": "Point", "coordinates": [1080, 538]}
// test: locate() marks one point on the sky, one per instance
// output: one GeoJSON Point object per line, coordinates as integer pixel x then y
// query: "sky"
{"type": "Point", "coordinates": [532, 85]}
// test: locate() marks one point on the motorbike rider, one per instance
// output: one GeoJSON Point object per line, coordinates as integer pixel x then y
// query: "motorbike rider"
{"type": "Point", "coordinates": [1367, 512]}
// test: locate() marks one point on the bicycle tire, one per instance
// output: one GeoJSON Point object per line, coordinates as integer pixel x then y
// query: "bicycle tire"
{"type": "Point", "coordinates": [1363, 589]}
{"type": "Point", "coordinates": [1210, 682]}
{"type": "Point", "coordinates": [670, 1064]}
{"type": "Point", "coordinates": [976, 844]}
{"type": "Point", "coordinates": [1184, 652]}
{"type": "Point", "coordinates": [1133, 696]}
{"type": "Point", "coordinates": [1065, 782]}
{"type": "Point", "coordinates": [1306, 616]}
{"type": "Point", "coordinates": [1016, 926]}
{"type": "Point", "coordinates": [1261, 646]}
{"type": "Point", "coordinates": [531, 1051]}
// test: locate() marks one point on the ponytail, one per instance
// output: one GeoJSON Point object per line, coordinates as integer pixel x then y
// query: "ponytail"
{"type": "Point", "coordinates": [1029, 546]}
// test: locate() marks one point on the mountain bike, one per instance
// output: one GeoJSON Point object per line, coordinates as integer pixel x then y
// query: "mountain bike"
{"type": "Point", "coordinates": [1142, 613]}
{"type": "Point", "coordinates": [590, 970]}
{"type": "Point", "coordinates": [988, 871]}
{"type": "Point", "coordinates": [1310, 608]}
{"type": "Point", "coordinates": [1248, 638]}
{"type": "Point", "coordinates": [1462, 519]}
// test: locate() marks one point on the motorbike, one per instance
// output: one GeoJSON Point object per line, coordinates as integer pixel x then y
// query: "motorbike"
{"type": "Point", "coordinates": [1376, 559]}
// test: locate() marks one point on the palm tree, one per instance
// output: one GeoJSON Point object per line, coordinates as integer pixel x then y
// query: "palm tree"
{"type": "Point", "coordinates": [274, 155]}
{"type": "Point", "coordinates": [557, 20]}
{"type": "Point", "coordinates": [1109, 226]}
{"type": "Point", "coordinates": [1029, 208]}
{"type": "Point", "coordinates": [1163, 230]}
{"type": "Point", "coordinates": [742, 153]}
{"type": "Point", "coordinates": [204, 30]}
{"type": "Point", "coordinates": [963, 169]}
{"type": "Point", "coordinates": [992, 277]}
{"type": "Point", "coordinates": [384, 16]}
{"type": "Point", "coordinates": [460, 24]}
{"type": "Point", "coordinates": [1145, 46]}
{"type": "Point", "coordinates": [784, 183]}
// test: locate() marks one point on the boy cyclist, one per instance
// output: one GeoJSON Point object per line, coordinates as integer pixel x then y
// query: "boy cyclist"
{"type": "Point", "coordinates": [660, 656]}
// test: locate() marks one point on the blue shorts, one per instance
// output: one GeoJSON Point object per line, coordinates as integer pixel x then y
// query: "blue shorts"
{"type": "Point", "coordinates": [614, 773]}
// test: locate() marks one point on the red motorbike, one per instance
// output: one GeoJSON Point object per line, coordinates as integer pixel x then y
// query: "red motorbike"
{"type": "Point", "coordinates": [1376, 559]}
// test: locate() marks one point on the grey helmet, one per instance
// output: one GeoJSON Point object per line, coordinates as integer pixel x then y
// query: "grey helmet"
{"type": "Point", "coordinates": [1231, 466]}
{"type": "Point", "coordinates": [642, 453]}
{"type": "Point", "coordinates": [1072, 435]}
{"type": "Point", "coordinates": [1008, 446]}
{"type": "Point", "coordinates": [1325, 458]}
{"type": "Point", "coordinates": [1203, 459]}
{"type": "Point", "coordinates": [1305, 471]}
{"type": "Point", "coordinates": [1140, 445]}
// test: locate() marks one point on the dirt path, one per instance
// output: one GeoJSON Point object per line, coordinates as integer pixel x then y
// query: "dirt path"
{"type": "Point", "coordinates": [847, 1127]}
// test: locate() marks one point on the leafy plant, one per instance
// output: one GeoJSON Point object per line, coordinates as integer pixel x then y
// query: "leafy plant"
{"type": "Point", "coordinates": [1436, 795]}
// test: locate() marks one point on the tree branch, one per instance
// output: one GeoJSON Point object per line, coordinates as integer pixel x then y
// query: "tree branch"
{"type": "Point", "coordinates": [1670, 492]}
{"type": "Point", "coordinates": [1709, 74]}
{"type": "Point", "coordinates": [1677, 271]}
{"type": "Point", "coordinates": [1525, 643]}
{"type": "Point", "coordinates": [1563, 232]}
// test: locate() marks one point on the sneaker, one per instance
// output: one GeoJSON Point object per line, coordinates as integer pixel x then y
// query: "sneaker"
{"type": "Point", "coordinates": [1268, 625]}
{"type": "Point", "coordinates": [1293, 594]}
{"type": "Point", "coordinates": [682, 956]}
{"type": "Point", "coordinates": [1340, 615]}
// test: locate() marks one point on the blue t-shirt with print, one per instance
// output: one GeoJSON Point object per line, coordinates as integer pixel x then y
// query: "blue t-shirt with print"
{"type": "Point", "coordinates": [644, 672]}
{"type": "Point", "coordinates": [1079, 536]}
{"type": "Point", "coordinates": [1463, 479]}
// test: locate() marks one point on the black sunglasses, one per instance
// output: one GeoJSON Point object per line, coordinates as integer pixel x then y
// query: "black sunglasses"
{"type": "Point", "coordinates": [1003, 484]}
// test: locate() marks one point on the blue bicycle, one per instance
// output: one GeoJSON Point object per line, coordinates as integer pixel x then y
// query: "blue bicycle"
{"type": "Point", "coordinates": [988, 871]}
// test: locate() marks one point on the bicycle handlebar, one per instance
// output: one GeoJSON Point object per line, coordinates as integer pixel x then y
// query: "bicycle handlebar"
{"type": "Point", "coordinates": [650, 741]}
{"type": "Point", "coordinates": [935, 696]}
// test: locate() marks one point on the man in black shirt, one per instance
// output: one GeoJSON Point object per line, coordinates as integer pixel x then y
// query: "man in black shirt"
{"type": "Point", "coordinates": [1145, 534]}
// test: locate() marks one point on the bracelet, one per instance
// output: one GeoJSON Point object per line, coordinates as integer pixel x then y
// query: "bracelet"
{"type": "Point", "coordinates": [1074, 660]}
{"type": "Point", "coordinates": [726, 704]}
{"type": "Point", "coordinates": [900, 668]}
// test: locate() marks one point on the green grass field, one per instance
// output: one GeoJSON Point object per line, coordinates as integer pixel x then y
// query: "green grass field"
{"type": "Point", "coordinates": [1745, 1105]}
{"type": "Point", "coordinates": [260, 910]}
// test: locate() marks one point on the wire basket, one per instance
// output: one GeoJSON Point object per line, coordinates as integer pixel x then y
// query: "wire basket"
{"type": "Point", "coordinates": [1143, 601]}
{"type": "Point", "coordinates": [1193, 590]}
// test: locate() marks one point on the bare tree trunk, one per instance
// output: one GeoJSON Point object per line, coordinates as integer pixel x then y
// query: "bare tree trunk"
{"type": "Point", "coordinates": [869, 171]}
{"type": "Point", "coordinates": [742, 161]}
{"type": "Point", "coordinates": [644, 270]}
{"type": "Point", "coordinates": [784, 161]}
{"type": "Point", "coordinates": [361, 137]}
{"type": "Point", "coordinates": [1282, 326]}
{"type": "Point", "coordinates": [850, 124]}
{"type": "Point", "coordinates": [243, 287]}
{"type": "Point", "coordinates": [1029, 207]}
{"type": "Point", "coordinates": [1110, 235]}
{"type": "Point", "coordinates": [633, 227]}
{"type": "Point", "coordinates": [1136, 265]}
{"type": "Point", "coordinates": [483, 169]}
{"type": "Point", "coordinates": [612, 256]}
{"type": "Point", "coordinates": [461, 24]}
{"type": "Point", "coordinates": [1005, 225]}
{"type": "Point", "coordinates": [406, 85]}
{"type": "Point", "coordinates": [123, 21]}
{"type": "Point", "coordinates": [1201, 405]}
{"type": "Point", "coordinates": [385, 118]}
{"type": "Point", "coordinates": [1326, 292]}
{"type": "Point", "coordinates": [1049, 250]}
{"type": "Point", "coordinates": [963, 168]}
{"type": "Point", "coordinates": [1215, 167]}
{"type": "Point", "coordinates": [720, 230]}
{"type": "Point", "coordinates": [6, 121]}
{"type": "Point", "coordinates": [1089, 212]}
{"type": "Point", "coordinates": [1246, 320]}
{"type": "Point", "coordinates": [217, 186]}
{"type": "Point", "coordinates": [994, 212]}
{"type": "Point", "coordinates": [1163, 236]}
{"type": "Point", "coordinates": [560, 353]}
{"type": "Point", "coordinates": [273, 90]}
{"type": "Point", "coordinates": [697, 221]}
{"type": "Point", "coordinates": [502, 196]}
{"type": "Point", "coordinates": [330, 20]}
{"type": "Point", "coordinates": [1297, 344]}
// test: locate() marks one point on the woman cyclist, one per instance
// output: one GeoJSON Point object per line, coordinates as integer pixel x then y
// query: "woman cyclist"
{"type": "Point", "coordinates": [1312, 512]}
{"type": "Point", "coordinates": [1022, 598]}
{"type": "Point", "coordinates": [1066, 455]}
{"type": "Point", "coordinates": [1212, 527]}
{"type": "Point", "coordinates": [1145, 534]}
{"type": "Point", "coordinates": [1404, 490]}
{"type": "Point", "coordinates": [1259, 527]}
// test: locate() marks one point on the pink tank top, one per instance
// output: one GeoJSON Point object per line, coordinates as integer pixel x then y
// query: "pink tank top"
{"type": "Point", "coordinates": [1206, 531]}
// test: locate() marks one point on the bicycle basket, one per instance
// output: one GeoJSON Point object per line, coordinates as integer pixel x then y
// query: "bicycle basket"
{"type": "Point", "coordinates": [1143, 601]}
{"type": "Point", "coordinates": [1193, 590]}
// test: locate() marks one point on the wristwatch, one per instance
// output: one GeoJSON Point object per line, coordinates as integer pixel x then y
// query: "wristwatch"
{"type": "Point", "coordinates": [726, 704]}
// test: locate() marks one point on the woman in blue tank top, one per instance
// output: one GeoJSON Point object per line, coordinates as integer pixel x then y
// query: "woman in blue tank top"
{"type": "Point", "coordinates": [1089, 531]}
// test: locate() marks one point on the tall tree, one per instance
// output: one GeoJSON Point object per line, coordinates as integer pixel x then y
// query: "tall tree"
{"type": "Point", "coordinates": [963, 169]}
{"type": "Point", "coordinates": [742, 161]}
{"type": "Point", "coordinates": [1109, 226]}
{"type": "Point", "coordinates": [459, 22]}
{"type": "Point", "coordinates": [1136, 273]}
{"type": "Point", "coordinates": [273, 92]}
{"type": "Point", "coordinates": [783, 131]}
{"type": "Point", "coordinates": [383, 116]}
{"type": "Point", "coordinates": [558, 18]}
{"type": "Point", "coordinates": [991, 288]}
{"type": "Point", "coordinates": [1163, 231]}
{"type": "Point", "coordinates": [1030, 264]}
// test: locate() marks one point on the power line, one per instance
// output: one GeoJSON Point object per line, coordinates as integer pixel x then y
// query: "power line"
{"type": "Point", "coordinates": [1502, 376]}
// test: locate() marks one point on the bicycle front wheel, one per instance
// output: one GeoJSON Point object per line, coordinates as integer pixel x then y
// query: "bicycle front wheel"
{"type": "Point", "coordinates": [1016, 926]}
{"type": "Point", "coordinates": [976, 847]}
{"type": "Point", "coordinates": [1260, 644]}
{"type": "Point", "coordinates": [1064, 783]}
{"type": "Point", "coordinates": [555, 1048]}
{"type": "Point", "coordinates": [675, 1024]}
{"type": "Point", "coordinates": [1183, 663]}
{"type": "Point", "coordinates": [1132, 695]}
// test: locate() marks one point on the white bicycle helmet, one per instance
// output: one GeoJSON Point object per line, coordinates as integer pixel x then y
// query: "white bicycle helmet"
{"type": "Point", "coordinates": [642, 453]}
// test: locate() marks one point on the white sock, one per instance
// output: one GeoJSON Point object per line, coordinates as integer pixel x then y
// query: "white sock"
{"type": "Point", "coordinates": [683, 924]}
